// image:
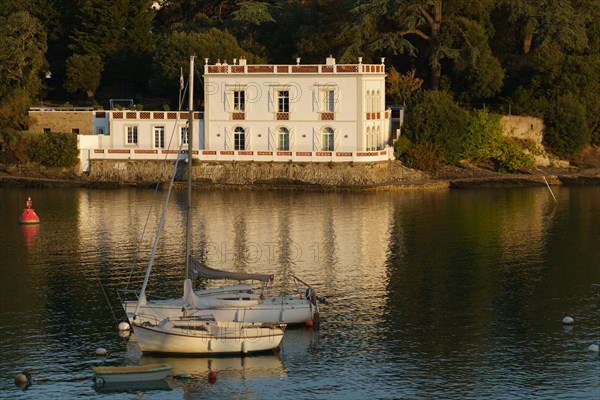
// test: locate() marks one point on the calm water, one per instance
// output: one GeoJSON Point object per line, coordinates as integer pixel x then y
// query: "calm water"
{"type": "Point", "coordinates": [453, 295]}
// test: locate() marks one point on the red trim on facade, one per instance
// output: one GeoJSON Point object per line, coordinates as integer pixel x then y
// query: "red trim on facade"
{"type": "Point", "coordinates": [119, 151]}
{"type": "Point", "coordinates": [264, 153]}
{"type": "Point", "coordinates": [343, 154]}
{"type": "Point", "coordinates": [303, 153]}
{"type": "Point", "coordinates": [245, 153]}
{"type": "Point", "coordinates": [209, 152]}
{"type": "Point", "coordinates": [284, 153]}
{"type": "Point", "coordinates": [140, 151]}
{"type": "Point", "coordinates": [323, 154]}
{"type": "Point", "coordinates": [98, 150]}
{"type": "Point", "coordinates": [226, 152]}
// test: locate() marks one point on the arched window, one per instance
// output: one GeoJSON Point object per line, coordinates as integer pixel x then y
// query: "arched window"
{"type": "Point", "coordinates": [328, 137]}
{"type": "Point", "coordinates": [369, 139]}
{"type": "Point", "coordinates": [283, 139]}
{"type": "Point", "coordinates": [239, 139]}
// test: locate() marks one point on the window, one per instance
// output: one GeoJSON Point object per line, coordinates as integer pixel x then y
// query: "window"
{"type": "Point", "coordinates": [159, 137]}
{"type": "Point", "coordinates": [47, 130]}
{"type": "Point", "coordinates": [239, 139]}
{"type": "Point", "coordinates": [132, 135]}
{"type": "Point", "coordinates": [100, 131]}
{"type": "Point", "coordinates": [283, 101]}
{"type": "Point", "coordinates": [185, 134]}
{"type": "Point", "coordinates": [327, 143]}
{"type": "Point", "coordinates": [283, 139]}
{"type": "Point", "coordinates": [328, 100]}
{"type": "Point", "coordinates": [75, 131]}
{"type": "Point", "coordinates": [239, 100]}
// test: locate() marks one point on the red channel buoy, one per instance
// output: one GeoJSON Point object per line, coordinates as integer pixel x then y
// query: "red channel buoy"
{"type": "Point", "coordinates": [212, 376]}
{"type": "Point", "coordinates": [29, 216]}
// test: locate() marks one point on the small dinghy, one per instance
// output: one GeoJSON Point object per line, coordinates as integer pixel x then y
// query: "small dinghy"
{"type": "Point", "coordinates": [132, 373]}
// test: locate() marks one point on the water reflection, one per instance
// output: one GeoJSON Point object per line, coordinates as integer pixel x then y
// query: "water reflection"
{"type": "Point", "coordinates": [29, 234]}
{"type": "Point", "coordinates": [432, 294]}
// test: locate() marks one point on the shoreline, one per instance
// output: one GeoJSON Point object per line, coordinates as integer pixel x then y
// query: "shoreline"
{"type": "Point", "coordinates": [490, 180]}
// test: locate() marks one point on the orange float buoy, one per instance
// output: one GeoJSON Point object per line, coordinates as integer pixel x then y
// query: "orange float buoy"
{"type": "Point", "coordinates": [212, 376]}
{"type": "Point", "coordinates": [29, 216]}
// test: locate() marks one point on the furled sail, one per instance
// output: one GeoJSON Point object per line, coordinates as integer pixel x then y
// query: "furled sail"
{"type": "Point", "coordinates": [198, 269]}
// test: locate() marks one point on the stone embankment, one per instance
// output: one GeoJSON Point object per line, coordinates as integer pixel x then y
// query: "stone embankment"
{"type": "Point", "coordinates": [391, 175]}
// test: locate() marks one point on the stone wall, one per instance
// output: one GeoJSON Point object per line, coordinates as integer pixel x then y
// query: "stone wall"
{"type": "Point", "coordinates": [521, 127]}
{"type": "Point", "coordinates": [250, 173]}
{"type": "Point", "coordinates": [62, 121]}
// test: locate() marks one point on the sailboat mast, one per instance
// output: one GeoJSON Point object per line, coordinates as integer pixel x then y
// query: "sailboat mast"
{"type": "Point", "coordinates": [190, 152]}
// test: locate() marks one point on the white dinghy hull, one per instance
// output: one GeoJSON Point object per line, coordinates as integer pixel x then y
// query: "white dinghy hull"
{"type": "Point", "coordinates": [185, 336]}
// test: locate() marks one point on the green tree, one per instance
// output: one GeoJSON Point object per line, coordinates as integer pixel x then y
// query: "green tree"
{"type": "Point", "coordinates": [120, 33]}
{"type": "Point", "coordinates": [22, 49]}
{"type": "Point", "coordinates": [437, 119]}
{"type": "Point", "coordinates": [566, 131]}
{"type": "Point", "coordinates": [83, 73]}
{"type": "Point", "coordinates": [456, 34]}
{"type": "Point", "coordinates": [401, 87]}
{"type": "Point", "coordinates": [173, 52]}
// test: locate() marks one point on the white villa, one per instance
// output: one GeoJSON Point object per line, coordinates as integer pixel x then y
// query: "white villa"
{"type": "Point", "coordinates": [310, 113]}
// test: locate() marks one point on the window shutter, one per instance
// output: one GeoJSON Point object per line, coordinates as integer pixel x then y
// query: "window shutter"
{"type": "Point", "coordinates": [315, 100]}
{"type": "Point", "coordinates": [271, 100]}
{"type": "Point", "coordinates": [227, 138]}
{"type": "Point", "coordinates": [247, 138]}
{"type": "Point", "coordinates": [316, 140]}
{"type": "Point", "coordinates": [292, 139]}
{"type": "Point", "coordinates": [336, 139]}
{"type": "Point", "coordinates": [271, 140]}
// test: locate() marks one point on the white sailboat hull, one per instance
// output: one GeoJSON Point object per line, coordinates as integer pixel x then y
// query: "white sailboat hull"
{"type": "Point", "coordinates": [235, 339]}
{"type": "Point", "coordinates": [275, 310]}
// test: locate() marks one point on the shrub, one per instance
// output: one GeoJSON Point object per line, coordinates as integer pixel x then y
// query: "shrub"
{"type": "Point", "coordinates": [566, 131]}
{"type": "Point", "coordinates": [484, 142]}
{"type": "Point", "coordinates": [437, 119]}
{"type": "Point", "coordinates": [57, 150]}
{"type": "Point", "coordinates": [401, 148]}
{"type": "Point", "coordinates": [426, 156]}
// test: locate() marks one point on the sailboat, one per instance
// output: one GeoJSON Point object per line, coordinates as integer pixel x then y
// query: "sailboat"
{"type": "Point", "coordinates": [197, 333]}
{"type": "Point", "coordinates": [232, 302]}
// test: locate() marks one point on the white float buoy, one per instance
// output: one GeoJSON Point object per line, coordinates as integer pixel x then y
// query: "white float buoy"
{"type": "Point", "coordinates": [183, 375]}
{"type": "Point", "coordinates": [593, 348]}
{"type": "Point", "coordinates": [101, 351]}
{"type": "Point", "coordinates": [124, 326]}
{"type": "Point", "coordinates": [568, 321]}
{"type": "Point", "coordinates": [22, 379]}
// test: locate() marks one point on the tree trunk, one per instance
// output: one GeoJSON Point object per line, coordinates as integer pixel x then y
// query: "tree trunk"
{"type": "Point", "coordinates": [436, 66]}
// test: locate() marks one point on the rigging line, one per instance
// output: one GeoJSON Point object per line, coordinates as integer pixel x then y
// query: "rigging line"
{"type": "Point", "coordinates": [182, 93]}
{"type": "Point", "coordinates": [112, 311]}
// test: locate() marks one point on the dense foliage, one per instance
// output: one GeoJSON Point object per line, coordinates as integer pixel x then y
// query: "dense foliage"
{"type": "Point", "coordinates": [518, 56]}
{"type": "Point", "coordinates": [49, 149]}
{"type": "Point", "coordinates": [438, 132]}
